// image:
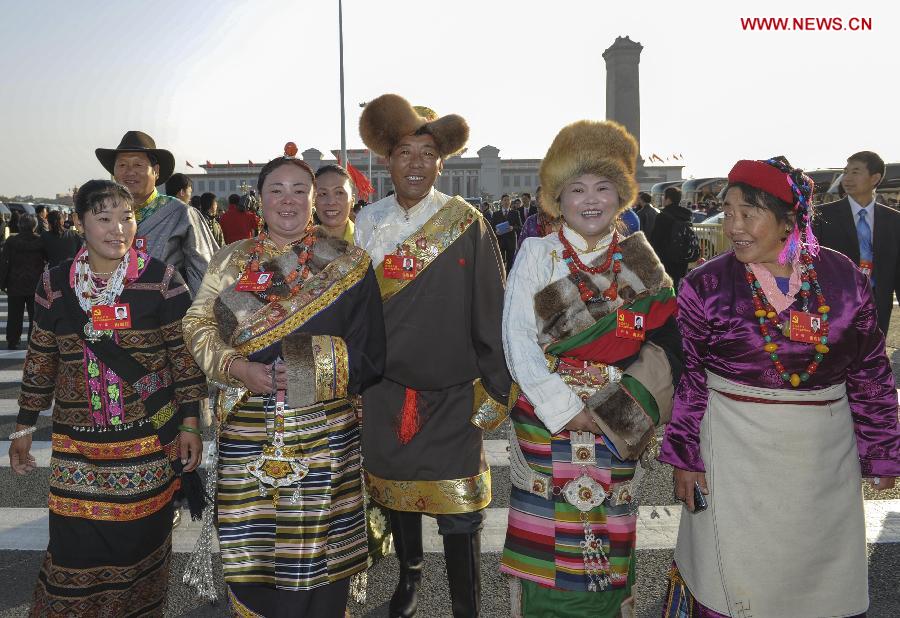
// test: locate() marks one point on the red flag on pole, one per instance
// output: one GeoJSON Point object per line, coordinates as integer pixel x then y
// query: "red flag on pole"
{"type": "Point", "coordinates": [188, 163]}
{"type": "Point", "coordinates": [249, 161]}
{"type": "Point", "coordinates": [208, 164]}
{"type": "Point", "coordinates": [364, 188]}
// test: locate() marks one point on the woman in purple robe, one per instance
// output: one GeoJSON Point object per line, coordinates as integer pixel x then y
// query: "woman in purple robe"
{"type": "Point", "coordinates": [776, 422]}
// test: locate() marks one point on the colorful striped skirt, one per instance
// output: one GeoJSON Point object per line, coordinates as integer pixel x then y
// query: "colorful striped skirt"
{"type": "Point", "coordinates": [281, 543]}
{"type": "Point", "coordinates": [544, 535]}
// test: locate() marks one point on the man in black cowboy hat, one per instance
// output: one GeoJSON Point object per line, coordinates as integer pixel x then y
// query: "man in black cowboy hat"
{"type": "Point", "coordinates": [439, 270]}
{"type": "Point", "coordinates": [171, 232]}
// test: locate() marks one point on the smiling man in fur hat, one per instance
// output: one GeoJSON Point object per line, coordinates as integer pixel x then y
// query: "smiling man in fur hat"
{"type": "Point", "coordinates": [171, 232]}
{"type": "Point", "coordinates": [445, 381]}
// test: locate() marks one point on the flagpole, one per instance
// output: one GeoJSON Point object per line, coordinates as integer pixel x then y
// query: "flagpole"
{"type": "Point", "coordinates": [363, 104]}
{"type": "Point", "coordinates": [343, 119]}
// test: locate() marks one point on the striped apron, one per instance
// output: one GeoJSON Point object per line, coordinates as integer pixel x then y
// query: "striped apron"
{"type": "Point", "coordinates": [292, 545]}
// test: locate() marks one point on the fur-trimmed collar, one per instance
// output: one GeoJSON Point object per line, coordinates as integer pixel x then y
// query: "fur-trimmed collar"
{"type": "Point", "coordinates": [560, 311]}
{"type": "Point", "coordinates": [232, 308]}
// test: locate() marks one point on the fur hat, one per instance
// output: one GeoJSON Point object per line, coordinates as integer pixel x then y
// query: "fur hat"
{"type": "Point", "coordinates": [390, 117]}
{"type": "Point", "coordinates": [589, 147]}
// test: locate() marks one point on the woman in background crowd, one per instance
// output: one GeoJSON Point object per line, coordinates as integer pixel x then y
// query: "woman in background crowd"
{"type": "Point", "coordinates": [60, 243]}
{"type": "Point", "coordinates": [335, 193]}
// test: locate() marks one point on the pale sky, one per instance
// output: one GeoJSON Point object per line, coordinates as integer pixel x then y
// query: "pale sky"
{"type": "Point", "coordinates": [236, 79]}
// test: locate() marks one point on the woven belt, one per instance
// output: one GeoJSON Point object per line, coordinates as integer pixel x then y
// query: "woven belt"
{"type": "Point", "coordinates": [747, 399]}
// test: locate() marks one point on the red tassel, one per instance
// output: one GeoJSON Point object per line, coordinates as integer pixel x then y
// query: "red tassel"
{"type": "Point", "coordinates": [409, 417]}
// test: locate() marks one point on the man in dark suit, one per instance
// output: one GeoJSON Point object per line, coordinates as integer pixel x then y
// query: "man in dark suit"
{"type": "Point", "coordinates": [865, 231]}
{"type": "Point", "coordinates": [520, 210]}
{"type": "Point", "coordinates": [529, 207]}
{"type": "Point", "coordinates": [646, 213]}
{"type": "Point", "coordinates": [506, 221]}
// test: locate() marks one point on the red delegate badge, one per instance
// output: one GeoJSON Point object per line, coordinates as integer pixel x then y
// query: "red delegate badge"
{"type": "Point", "coordinates": [630, 324]}
{"type": "Point", "coordinates": [806, 327]}
{"type": "Point", "coordinates": [111, 317]}
{"type": "Point", "coordinates": [400, 267]}
{"type": "Point", "coordinates": [140, 243]}
{"type": "Point", "coordinates": [259, 281]}
{"type": "Point", "coordinates": [866, 267]}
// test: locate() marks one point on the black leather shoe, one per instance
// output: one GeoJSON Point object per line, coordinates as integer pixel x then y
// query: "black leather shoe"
{"type": "Point", "coordinates": [463, 555]}
{"type": "Point", "coordinates": [406, 529]}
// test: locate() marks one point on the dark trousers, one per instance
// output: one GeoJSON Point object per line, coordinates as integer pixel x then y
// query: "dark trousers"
{"type": "Point", "coordinates": [508, 249]}
{"type": "Point", "coordinates": [461, 523]}
{"type": "Point", "coordinates": [16, 307]}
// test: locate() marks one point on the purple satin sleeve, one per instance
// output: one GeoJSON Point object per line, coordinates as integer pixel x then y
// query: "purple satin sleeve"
{"type": "Point", "coordinates": [530, 229]}
{"type": "Point", "coordinates": [681, 446]}
{"type": "Point", "coordinates": [721, 335]}
{"type": "Point", "coordinates": [872, 393]}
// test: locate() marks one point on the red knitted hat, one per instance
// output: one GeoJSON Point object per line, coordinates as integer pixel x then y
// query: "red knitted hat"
{"type": "Point", "coordinates": [763, 176]}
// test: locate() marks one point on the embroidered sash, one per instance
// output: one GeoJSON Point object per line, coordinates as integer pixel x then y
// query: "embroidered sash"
{"type": "Point", "coordinates": [274, 320]}
{"type": "Point", "coordinates": [429, 241]}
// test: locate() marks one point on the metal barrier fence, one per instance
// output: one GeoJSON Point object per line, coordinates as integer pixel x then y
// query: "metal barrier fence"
{"type": "Point", "coordinates": [712, 240]}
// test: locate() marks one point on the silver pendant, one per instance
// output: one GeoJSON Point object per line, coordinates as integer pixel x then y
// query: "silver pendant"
{"type": "Point", "coordinates": [584, 493]}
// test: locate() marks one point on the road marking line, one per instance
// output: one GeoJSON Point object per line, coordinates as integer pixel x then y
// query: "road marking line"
{"type": "Point", "coordinates": [26, 528]}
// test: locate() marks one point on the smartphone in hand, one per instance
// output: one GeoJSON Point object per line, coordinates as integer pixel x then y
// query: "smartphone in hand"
{"type": "Point", "coordinates": [700, 503]}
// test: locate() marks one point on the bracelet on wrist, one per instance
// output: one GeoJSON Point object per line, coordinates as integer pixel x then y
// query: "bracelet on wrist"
{"type": "Point", "coordinates": [190, 429]}
{"type": "Point", "coordinates": [23, 432]}
{"type": "Point", "coordinates": [229, 362]}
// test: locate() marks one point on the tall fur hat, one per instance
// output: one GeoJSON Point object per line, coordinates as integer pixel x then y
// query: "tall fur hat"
{"type": "Point", "coordinates": [390, 117]}
{"type": "Point", "coordinates": [589, 147]}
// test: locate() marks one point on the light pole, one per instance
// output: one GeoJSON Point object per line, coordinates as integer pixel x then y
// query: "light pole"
{"type": "Point", "coordinates": [363, 104]}
{"type": "Point", "coordinates": [341, 47]}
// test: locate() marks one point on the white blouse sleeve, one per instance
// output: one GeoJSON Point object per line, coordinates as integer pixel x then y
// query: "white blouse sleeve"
{"type": "Point", "coordinates": [554, 402]}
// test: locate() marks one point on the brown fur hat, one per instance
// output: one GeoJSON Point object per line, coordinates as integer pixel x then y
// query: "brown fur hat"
{"type": "Point", "coordinates": [589, 147]}
{"type": "Point", "coordinates": [390, 117]}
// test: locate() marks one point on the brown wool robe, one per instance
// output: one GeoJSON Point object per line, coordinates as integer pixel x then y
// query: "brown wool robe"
{"type": "Point", "coordinates": [443, 333]}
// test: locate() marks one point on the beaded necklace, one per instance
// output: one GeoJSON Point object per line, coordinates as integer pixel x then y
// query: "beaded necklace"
{"type": "Point", "coordinates": [613, 258]}
{"type": "Point", "coordinates": [91, 290]}
{"type": "Point", "coordinates": [104, 386]}
{"type": "Point", "coordinates": [293, 279]}
{"type": "Point", "coordinates": [765, 312]}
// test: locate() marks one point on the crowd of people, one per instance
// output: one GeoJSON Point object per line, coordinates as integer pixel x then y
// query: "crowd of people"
{"type": "Point", "coordinates": [360, 352]}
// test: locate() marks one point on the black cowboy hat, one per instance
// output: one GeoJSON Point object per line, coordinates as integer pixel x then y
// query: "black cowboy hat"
{"type": "Point", "coordinates": [138, 141]}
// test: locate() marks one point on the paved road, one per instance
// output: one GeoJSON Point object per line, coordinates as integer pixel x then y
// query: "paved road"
{"type": "Point", "coordinates": [23, 504]}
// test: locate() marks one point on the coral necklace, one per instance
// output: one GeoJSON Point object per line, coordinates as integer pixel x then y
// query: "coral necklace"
{"type": "Point", "coordinates": [293, 279]}
{"type": "Point", "coordinates": [613, 258]}
{"type": "Point", "coordinates": [765, 312]}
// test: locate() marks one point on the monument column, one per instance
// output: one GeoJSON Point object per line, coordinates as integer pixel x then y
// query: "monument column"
{"type": "Point", "coordinates": [489, 176]}
{"type": "Point", "coordinates": [623, 99]}
{"type": "Point", "coordinates": [313, 157]}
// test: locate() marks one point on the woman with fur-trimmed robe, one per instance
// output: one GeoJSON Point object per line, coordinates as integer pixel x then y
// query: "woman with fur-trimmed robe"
{"type": "Point", "coordinates": [290, 323]}
{"type": "Point", "coordinates": [590, 339]}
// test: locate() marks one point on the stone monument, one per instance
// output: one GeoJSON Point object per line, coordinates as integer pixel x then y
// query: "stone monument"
{"type": "Point", "coordinates": [623, 103]}
{"type": "Point", "coordinates": [623, 92]}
